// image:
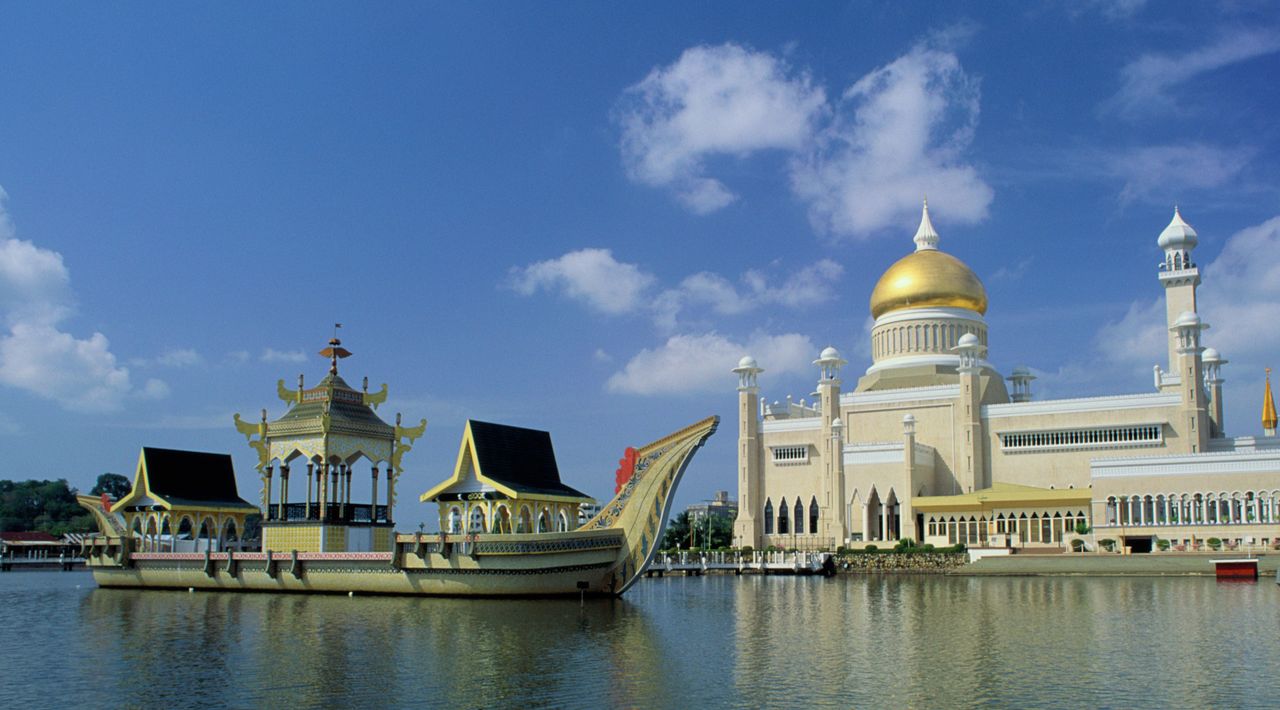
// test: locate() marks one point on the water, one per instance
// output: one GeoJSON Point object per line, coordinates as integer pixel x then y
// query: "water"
{"type": "Point", "coordinates": [719, 641]}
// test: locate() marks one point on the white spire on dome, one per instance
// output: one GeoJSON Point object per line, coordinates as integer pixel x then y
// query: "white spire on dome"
{"type": "Point", "coordinates": [926, 236]}
{"type": "Point", "coordinates": [1179, 234]}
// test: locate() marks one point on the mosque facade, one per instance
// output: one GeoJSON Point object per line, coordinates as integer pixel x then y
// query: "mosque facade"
{"type": "Point", "coordinates": [933, 444]}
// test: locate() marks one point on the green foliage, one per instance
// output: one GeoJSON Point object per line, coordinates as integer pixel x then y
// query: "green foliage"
{"type": "Point", "coordinates": [747, 549]}
{"type": "Point", "coordinates": [682, 535]}
{"type": "Point", "coordinates": [1163, 544]}
{"type": "Point", "coordinates": [113, 484]}
{"type": "Point", "coordinates": [1214, 543]}
{"type": "Point", "coordinates": [1077, 545]}
{"type": "Point", "coordinates": [841, 550]}
{"type": "Point", "coordinates": [870, 548]}
{"type": "Point", "coordinates": [46, 506]}
{"type": "Point", "coordinates": [1082, 528]}
{"type": "Point", "coordinates": [1107, 544]}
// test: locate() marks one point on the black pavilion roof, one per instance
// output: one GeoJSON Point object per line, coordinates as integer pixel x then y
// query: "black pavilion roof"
{"type": "Point", "coordinates": [192, 477]}
{"type": "Point", "coordinates": [520, 458]}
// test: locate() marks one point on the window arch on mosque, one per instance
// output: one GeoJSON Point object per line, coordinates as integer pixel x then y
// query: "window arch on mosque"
{"type": "Point", "coordinates": [455, 520]}
{"type": "Point", "coordinates": [768, 517]}
{"type": "Point", "coordinates": [783, 522]}
{"type": "Point", "coordinates": [477, 520]}
{"type": "Point", "coordinates": [813, 516]}
{"type": "Point", "coordinates": [799, 517]}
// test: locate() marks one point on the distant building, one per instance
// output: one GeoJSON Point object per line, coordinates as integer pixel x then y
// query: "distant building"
{"type": "Point", "coordinates": [721, 506]}
{"type": "Point", "coordinates": [31, 545]}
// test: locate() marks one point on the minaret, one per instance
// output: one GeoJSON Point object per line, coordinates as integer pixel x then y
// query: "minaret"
{"type": "Point", "coordinates": [970, 473]}
{"type": "Point", "coordinates": [831, 500]}
{"type": "Point", "coordinates": [1188, 367]}
{"type": "Point", "coordinates": [1021, 381]}
{"type": "Point", "coordinates": [1213, 363]}
{"type": "Point", "coordinates": [1268, 409]}
{"type": "Point", "coordinates": [746, 530]}
{"type": "Point", "coordinates": [1179, 276]}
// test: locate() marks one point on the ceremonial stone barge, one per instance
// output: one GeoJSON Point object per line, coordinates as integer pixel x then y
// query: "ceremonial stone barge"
{"type": "Point", "coordinates": [508, 525]}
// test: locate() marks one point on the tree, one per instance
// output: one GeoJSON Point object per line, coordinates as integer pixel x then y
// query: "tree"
{"type": "Point", "coordinates": [682, 535]}
{"type": "Point", "coordinates": [677, 535]}
{"type": "Point", "coordinates": [113, 484]}
{"type": "Point", "coordinates": [47, 506]}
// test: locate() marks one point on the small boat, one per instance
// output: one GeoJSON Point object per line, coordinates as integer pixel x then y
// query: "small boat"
{"type": "Point", "coordinates": [1236, 568]}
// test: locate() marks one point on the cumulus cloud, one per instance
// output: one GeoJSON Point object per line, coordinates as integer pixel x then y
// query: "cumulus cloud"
{"type": "Point", "coordinates": [725, 100]}
{"type": "Point", "coordinates": [1147, 83]}
{"type": "Point", "coordinates": [861, 165]}
{"type": "Point", "coordinates": [701, 363]}
{"type": "Point", "coordinates": [1155, 172]}
{"type": "Point", "coordinates": [36, 355]}
{"type": "Point", "coordinates": [811, 284]}
{"type": "Point", "coordinates": [179, 357]}
{"type": "Point", "coordinates": [591, 276]}
{"type": "Point", "coordinates": [273, 355]}
{"type": "Point", "coordinates": [901, 132]}
{"type": "Point", "coordinates": [604, 284]}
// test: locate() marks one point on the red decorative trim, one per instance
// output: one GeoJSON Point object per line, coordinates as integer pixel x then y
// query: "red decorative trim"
{"type": "Point", "coordinates": [626, 467]}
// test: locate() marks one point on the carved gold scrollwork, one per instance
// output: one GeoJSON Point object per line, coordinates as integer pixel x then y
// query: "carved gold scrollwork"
{"type": "Point", "coordinates": [400, 448]}
{"type": "Point", "coordinates": [373, 399]}
{"type": "Point", "coordinates": [287, 395]}
{"type": "Point", "coordinates": [260, 444]}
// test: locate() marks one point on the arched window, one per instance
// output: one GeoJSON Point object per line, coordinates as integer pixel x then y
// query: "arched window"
{"type": "Point", "coordinates": [562, 522]}
{"type": "Point", "coordinates": [813, 516]}
{"type": "Point", "coordinates": [768, 517]}
{"type": "Point", "coordinates": [229, 534]}
{"type": "Point", "coordinates": [784, 526]}
{"type": "Point", "coordinates": [502, 520]}
{"type": "Point", "coordinates": [526, 520]}
{"type": "Point", "coordinates": [799, 517]}
{"type": "Point", "coordinates": [455, 520]}
{"type": "Point", "coordinates": [543, 523]}
{"type": "Point", "coordinates": [477, 520]}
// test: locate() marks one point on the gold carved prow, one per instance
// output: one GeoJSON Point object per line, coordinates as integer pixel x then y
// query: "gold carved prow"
{"type": "Point", "coordinates": [260, 444]}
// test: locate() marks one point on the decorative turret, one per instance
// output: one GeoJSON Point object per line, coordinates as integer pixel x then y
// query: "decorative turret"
{"type": "Point", "coordinates": [831, 492]}
{"type": "Point", "coordinates": [1213, 362]}
{"type": "Point", "coordinates": [1180, 278]}
{"type": "Point", "coordinates": [1021, 381]}
{"type": "Point", "coordinates": [972, 470]}
{"type": "Point", "coordinates": [1186, 331]}
{"type": "Point", "coordinates": [829, 363]}
{"type": "Point", "coordinates": [330, 427]}
{"type": "Point", "coordinates": [926, 236]}
{"type": "Point", "coordinates": [1268, 409]}
{"type": "Point", "coordinates": [747, 529]}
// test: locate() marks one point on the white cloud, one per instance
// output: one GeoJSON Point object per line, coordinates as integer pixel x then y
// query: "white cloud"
{"type": "Point", "coordinates": [901, 132]}
{"type": "Point", "coordinates": [591, 276]}
{"type": "Point", "coordinates": [700, 363]}
{"type": "Point", "coordinates": [179, 357]}
{"type": "Point", "coordinates": [238, 357]}
{"type": "Point", "coordinates": [724, 100]}
{"type": "Point", "coordinates": [1172, 171]}
{"type": "Point", "coordinates": [1148, 81]}
{"type": "Point", "coordinates": [273, 355]}
{"type": "Point", "coordinates": [810, 285]}
{"type": "Point", "coordinates": [1139, 339]}
{"type": "Point", "coordinates": [35, 354]}
{"type": "Point", "coordinates": [155, 389]}
{"type": "Point", "coordinates": [898, 133]}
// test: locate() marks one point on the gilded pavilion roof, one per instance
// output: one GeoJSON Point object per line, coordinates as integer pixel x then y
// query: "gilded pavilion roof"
{"type": "Point", "coordinates": [333, 399]}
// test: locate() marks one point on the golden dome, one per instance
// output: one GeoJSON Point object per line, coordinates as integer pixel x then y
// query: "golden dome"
{"type": "Point", "coordinates": [925, 278]}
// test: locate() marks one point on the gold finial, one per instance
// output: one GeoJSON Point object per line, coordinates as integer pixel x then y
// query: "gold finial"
{"type": "Point", "coordinates": [1268, 408]}
{"type": "Point", "coordinates": [335, 350]}
{"type": "Point", "coordinates": [264, 414]}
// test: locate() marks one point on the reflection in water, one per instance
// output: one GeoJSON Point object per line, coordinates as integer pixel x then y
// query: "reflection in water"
{"type": "Point", "coordinates": [851, 641]}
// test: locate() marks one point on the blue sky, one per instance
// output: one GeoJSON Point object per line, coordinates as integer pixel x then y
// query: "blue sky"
{"type": "Point", "coordinates": [576, 217]}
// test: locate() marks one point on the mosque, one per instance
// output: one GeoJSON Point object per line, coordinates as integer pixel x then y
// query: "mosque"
{"type": "Point", "coordinates": [931, 444]}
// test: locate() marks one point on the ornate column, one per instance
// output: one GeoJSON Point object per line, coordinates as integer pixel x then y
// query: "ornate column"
{"type": "Point", "coordinates": [340, 493]}
{"type": "Point", "coordinates": [266, 490]}
{"type": "Point", "coordinates": [323, 474]}
{"type": "Point", "coordinates": [284, 491]}
{"type": "Point", "coordinates": [346, 487]}
{"type": "Point", "coordinates": [310, 495]}
{"type": "Point", "coordinates": [391, 485]}
{"type": "Point", "coordinates": [373, 499]}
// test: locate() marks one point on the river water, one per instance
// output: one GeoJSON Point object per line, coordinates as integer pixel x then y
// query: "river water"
{"type": "Point", "coordinates": [718, 641]}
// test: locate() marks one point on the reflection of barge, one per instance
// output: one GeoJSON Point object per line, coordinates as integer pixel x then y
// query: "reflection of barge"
{"type": "Point", "coordinates": [506, 518]}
